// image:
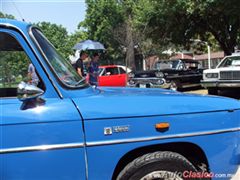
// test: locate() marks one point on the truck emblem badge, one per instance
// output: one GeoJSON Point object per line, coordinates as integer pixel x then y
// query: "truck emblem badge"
{"type": "Point", "coordinates": [107, 131]}
{"type": "Point", "coordinates": [116, 129]}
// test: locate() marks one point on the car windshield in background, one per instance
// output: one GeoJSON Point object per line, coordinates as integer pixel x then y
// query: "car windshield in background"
{"type": "Point", "coordinates": [166, 65]}
{"type": "Point", "coordinates": [61, 67]}
{"type": "Point", "coordinates": [100, 70]}
{"type": "Point", "coordinates": [230, 61]}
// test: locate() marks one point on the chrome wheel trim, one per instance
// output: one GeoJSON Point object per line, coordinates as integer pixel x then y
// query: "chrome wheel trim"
{"type": "Point", "coordinates": [164, 175]}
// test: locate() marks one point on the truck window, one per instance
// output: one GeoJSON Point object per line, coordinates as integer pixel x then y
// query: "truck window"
{"type": "Point", "coordinates": [15, 67]}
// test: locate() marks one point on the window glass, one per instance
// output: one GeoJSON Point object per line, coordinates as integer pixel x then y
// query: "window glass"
{"type": "Point", "coordinates": [60, 66]}
{"type": "Point", "coordinates": [191, 65]}
{"type": "Point", "coordinates": [100, 71]}
{"type": "Point", "coordinates": [15, 66]}
{"type": "Point", "coordinates": [112, 70]}
{"type": "Point", "coordinates": [166, 64]}
{"type": "Point", "coordinates": [230, 61]}
{"type": "Point", "coordinates": [121, 70]}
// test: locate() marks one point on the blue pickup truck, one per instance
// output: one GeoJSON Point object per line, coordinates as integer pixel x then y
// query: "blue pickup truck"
{"type": "Point", "coordinates": [59, 127]}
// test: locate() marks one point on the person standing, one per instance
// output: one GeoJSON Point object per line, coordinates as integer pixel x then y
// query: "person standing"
{"type": "Point", "coordinates": [32, 75]}
{"type": "Point", "coordinates": [93, 70]}
{"type": "Point", "coordinates": [79, 63]}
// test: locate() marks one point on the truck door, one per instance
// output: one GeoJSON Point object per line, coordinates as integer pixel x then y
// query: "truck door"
{"type": "Point", "coordinates": [41, 138]}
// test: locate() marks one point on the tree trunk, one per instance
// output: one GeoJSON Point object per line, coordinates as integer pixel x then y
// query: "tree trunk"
{"type": "Point", "coordinates": [130, 58]}
{"type": "Point", "coordinates": [226, 41]}
{"type": "Point", "coordinates": [227, 46]}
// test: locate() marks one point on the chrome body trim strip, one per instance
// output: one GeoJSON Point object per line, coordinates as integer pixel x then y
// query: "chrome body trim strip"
{"type": "Point", "coordinates": [160, 137]}
{"type": "Point", "coordinates": [41, 148]}
{"type": "Point", "coordinates": [110, 142]}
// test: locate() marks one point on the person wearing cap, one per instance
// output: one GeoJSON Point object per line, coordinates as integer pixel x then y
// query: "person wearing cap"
{"type": "Point", "coordinates": [93, 69]}
{"type": "Point", "coordinates": [79, 63]}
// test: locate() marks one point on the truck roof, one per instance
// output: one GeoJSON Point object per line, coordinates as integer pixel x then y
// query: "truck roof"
{"type": "Point", "coordinates": [14, 23]}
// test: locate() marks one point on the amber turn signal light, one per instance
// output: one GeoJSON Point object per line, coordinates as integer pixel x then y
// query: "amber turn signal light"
{"type": "Point", "coordinates": [161, 126]}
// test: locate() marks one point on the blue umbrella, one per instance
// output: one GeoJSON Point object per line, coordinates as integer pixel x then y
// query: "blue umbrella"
{"type": "Point", "coordinates": [89, 45]}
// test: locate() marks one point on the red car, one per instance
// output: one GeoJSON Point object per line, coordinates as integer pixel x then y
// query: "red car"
{"type": "Point", "coordinates": [111, 75]}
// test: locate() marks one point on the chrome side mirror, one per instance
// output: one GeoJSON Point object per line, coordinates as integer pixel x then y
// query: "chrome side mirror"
{"type": "Point", "coordinates": [26, 91]}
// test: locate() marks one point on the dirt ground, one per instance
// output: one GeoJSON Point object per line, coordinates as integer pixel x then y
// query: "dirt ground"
{"type": "Point", "coordinates": [198, 91]}
{"type": "Point", "coordinates": [232, 94]}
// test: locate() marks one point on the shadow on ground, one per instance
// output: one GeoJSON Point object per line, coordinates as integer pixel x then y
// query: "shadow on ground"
{"type": "Point", "coordinates": [230, 93]}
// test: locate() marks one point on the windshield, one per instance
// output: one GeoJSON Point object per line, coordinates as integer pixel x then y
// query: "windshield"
{"type": "Point", "coordinates": [166, 65]}
{"type": "Point", "coordinates": [230, 61]}
{"type": "Point", "coordinates": [61, 67]}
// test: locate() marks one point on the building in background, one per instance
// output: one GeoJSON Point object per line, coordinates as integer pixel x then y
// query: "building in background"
{"type": "Point", "coordinates": [216, 57]}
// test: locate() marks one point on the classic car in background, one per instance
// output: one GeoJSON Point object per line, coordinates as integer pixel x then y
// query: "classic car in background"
{"type": "Point", "coordinates": [225, 76]}
{"type": "Point", "coordinates": [112, 75]}
{"type": "Point", "coordinates": [127, 69]}
{"type": "Point", "coordinates": [172, 74]}
{"type": "Point", "coordinates": [66, 129]}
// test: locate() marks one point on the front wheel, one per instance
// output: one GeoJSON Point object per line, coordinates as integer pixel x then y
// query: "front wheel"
{"type": "Point", "coordinates": [158, 165]}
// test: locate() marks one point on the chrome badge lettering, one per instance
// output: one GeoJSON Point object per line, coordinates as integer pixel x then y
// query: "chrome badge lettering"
{"type": "Point", "coordinates": [116, 129]}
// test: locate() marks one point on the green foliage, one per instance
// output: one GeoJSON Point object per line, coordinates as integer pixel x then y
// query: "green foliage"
{"type": "Point", "coordinates": [2, 15]}
{"type": "Point", "coordinates": [13, 68]}
{"type": "Point", "coordinates": [178, 21]}
{"type": "Point", "coordinates": [58, 36]}
{"type": "Point", "coordinates": [102, 17]}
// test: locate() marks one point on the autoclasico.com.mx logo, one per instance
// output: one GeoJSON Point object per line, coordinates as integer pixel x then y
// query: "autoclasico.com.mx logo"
{"type": "Point", "coordinates": [193, 174]}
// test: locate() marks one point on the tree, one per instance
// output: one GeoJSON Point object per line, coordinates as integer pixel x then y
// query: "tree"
{"type": "Point", "coordinates": [112, 23]}
{"type": "Point", "coordinates": [148, 44]}
{"type": "Point", "coordinates": [220, 18]}
{"type": "Point", "coordinates": [2, 15]}
{"type": "Point", "coordinates": [58, 36]}
{"type": "Point", "coordinates": [178, 21]}
{"type": "Point", "coordinates": [102, 17]}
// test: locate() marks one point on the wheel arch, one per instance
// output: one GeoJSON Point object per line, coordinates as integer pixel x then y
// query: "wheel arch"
{"type": "Point", "coordinates": [194, 154]}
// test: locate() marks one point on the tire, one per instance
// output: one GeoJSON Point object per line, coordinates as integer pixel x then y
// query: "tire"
{"type": "Point", "coordinates": [148, 86]}
{"type": "Point", "coordinates": [174, 85]}
{"type": "Point", "coordinates": [157, 165]}
{"type": "Point", "coordinates": [213, 91]}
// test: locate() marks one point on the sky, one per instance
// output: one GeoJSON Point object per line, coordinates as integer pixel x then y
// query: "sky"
{"type": "Point", "coordinates": [68, 13]}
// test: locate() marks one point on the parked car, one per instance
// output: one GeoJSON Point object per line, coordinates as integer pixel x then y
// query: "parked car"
{"type": "Point", "coordinates": [112, 75]}
{"type": "Point", "coordinates": [65, 129]}
{"type": "Point", "coordinates": [127, 69]}
{"type": "Point", "coordinates": [225, 76]}
{"type": "Point", "coordinates": [171, 74]}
